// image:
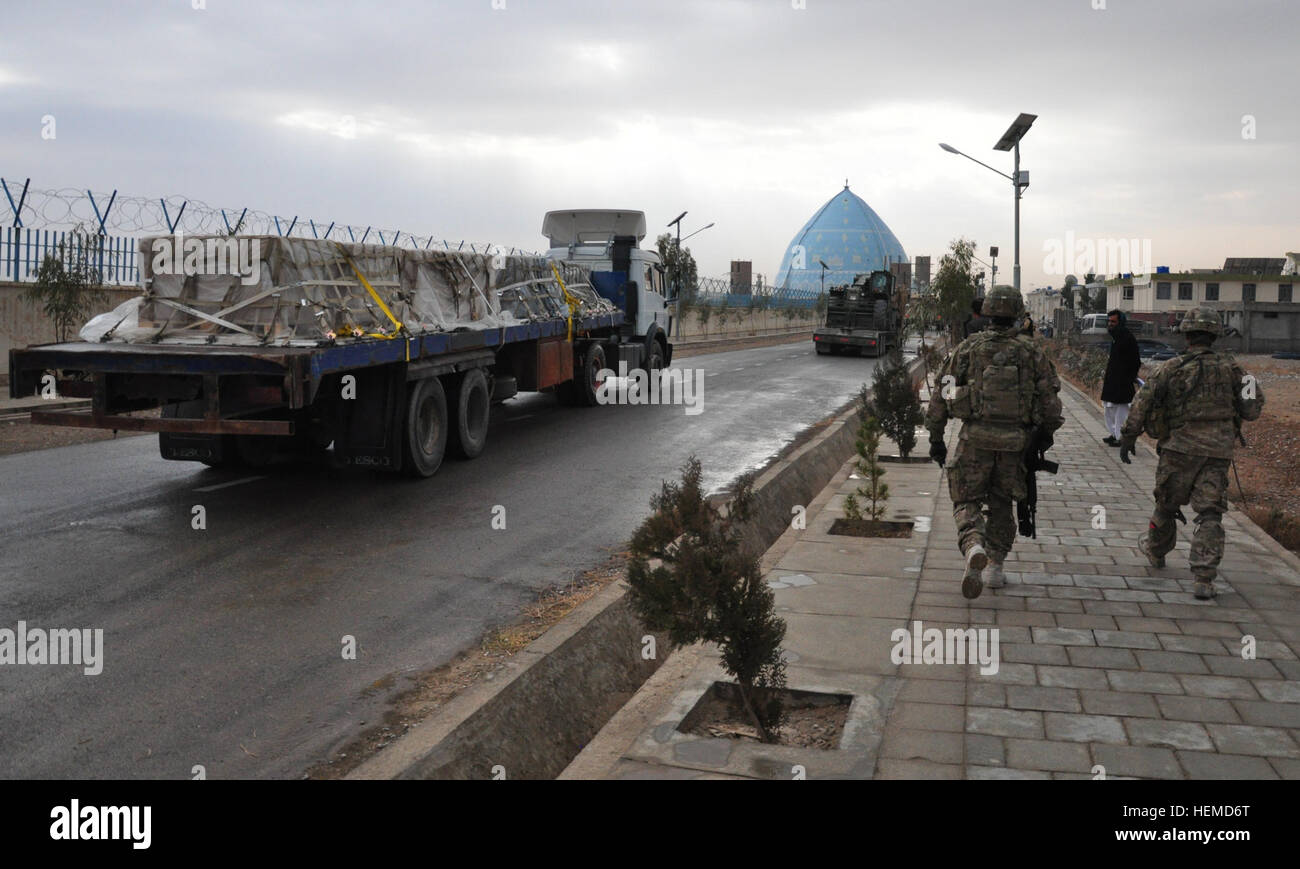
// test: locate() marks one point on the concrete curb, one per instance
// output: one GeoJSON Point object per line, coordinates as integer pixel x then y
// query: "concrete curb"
{"type": "Point", "coordinates": [531, 720]}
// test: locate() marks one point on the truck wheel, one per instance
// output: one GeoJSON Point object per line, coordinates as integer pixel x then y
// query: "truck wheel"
{"type": "Point", "coordinates": [822, 349]}
{"type": "Point", "coordinates": [655, 357]}
{"type": "Point", "coordinates": [469, 423]}
{"type": "Point", "coordinates": [424, 439]}
{"type": "Point", "coordinates": [256, 451]}
{"type": "Point", "coordinates": [593, 362]}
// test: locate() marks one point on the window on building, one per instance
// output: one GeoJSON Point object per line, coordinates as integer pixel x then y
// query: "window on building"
{"type": "Point", "coordinates": [1284, 292]}
{"type": "Point", "coordinates": [1248, 292]}
{"type": "Point", "coordinates": [1185, 291]}
{"type": "Point", "coordinates": [1128, 294]}
{"type": "Point", "coordinates": [1162, 290]}
{"type": "Point", "coordinates": [1211, 292]}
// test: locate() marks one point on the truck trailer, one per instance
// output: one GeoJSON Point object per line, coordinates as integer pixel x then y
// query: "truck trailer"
{"type": "Point", "coordinates": [256, 346]}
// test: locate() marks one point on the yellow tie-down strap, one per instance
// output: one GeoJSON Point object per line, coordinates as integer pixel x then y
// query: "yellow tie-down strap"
{"type": "Point", "coordinates": [573, 303]}
{"type": "Point", "coordinates": [398, 327]}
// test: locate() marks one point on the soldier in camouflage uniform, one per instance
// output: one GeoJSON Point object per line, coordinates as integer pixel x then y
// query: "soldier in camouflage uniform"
{"type": "Point", "coordinates": [1004, 389]}
{"type": "Point", "coordinates": [1193, 406]}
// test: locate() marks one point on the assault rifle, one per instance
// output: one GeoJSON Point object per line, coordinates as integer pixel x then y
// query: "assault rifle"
{"type": "Point", "coordinates": [1035, 461]}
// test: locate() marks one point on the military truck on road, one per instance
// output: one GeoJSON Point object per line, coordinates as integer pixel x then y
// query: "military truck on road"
{"type": "Point", "coordinates": [865, 316]}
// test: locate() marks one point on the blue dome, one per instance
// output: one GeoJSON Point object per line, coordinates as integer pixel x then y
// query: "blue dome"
{"type": "Point", "coordinates": [848, 236]}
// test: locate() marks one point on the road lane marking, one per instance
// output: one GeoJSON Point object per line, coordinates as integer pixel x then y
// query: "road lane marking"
{"type": "Point", "coordinates": [231, 483]}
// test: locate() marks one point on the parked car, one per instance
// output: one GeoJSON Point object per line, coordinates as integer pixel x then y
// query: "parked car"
{"type": "Point", "coordinates": [1155, 350]}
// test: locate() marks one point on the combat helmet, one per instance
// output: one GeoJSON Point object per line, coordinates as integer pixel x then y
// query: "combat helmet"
{"type": "Point", "coordinates": [1004, 301]}
{"type": "Point", "coordinates": [1202, 320]}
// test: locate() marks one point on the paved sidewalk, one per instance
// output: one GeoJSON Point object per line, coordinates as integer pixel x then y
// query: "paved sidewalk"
{"type": "Point", "coordinates": [1108, 667]}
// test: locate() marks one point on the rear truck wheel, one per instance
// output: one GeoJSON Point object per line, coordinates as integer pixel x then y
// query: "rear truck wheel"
{"type": "Point", "coordinates": [424, 435]}
{"type": "Point", "coordinates": [593, 362]}
{"type": "Point", "coordinates": [654, 357]}
{"type": "Point", "coordinates": [469, 422]}
{"type": "Point", "coordinates": [256, 451]}
{"type": "Point", "coordinates": [215, 451]}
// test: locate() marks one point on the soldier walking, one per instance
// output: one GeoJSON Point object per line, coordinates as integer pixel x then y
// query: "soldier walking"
{"type": "Point", "coordinates": [1193, 406]}
{"type": "Point", "coordinates": [1003, 387]}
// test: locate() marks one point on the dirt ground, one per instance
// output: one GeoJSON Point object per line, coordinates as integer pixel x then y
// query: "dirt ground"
{"type": "Point", "coordinates": [18, 436]}
{"type": "Point", "coordinates": [1269, 466]}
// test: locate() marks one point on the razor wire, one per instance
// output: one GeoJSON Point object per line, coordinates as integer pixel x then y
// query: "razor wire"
{"type": "Point", "coordinates": [105, 213]}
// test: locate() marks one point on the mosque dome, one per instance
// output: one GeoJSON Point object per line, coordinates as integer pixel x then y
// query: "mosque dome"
{"type": "Point", "coordinates": [848, 236]}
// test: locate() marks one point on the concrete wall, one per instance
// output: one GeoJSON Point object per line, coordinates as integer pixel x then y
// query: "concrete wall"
{"type": "Point", "coordinates": [23, 324]}
{"type": "Point", "coordinates": [741, 322]}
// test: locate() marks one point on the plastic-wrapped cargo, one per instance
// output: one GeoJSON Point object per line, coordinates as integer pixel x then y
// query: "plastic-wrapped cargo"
{"type": "Point", "coordinates": [272, 290]}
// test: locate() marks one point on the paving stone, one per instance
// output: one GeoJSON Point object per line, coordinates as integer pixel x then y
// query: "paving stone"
{"type": "Point", "coordinates": [1071, 677]}
{"type": "Point", "coordinates": [1146, 683]}
{"type": "Point", "coordinates": [1000, 773]}
{"type": "Point", "coordinates": [1084, 728]}
{"type": "Point", "coordinates": [1047, 755]}
{"type": "Point", "coordinates": [1207, 629]}
{"type": "Point", "coordinates": [1171, 662]}
{"type": "Point", "coordinates": [1112, 608]}
{"type": "Point", "coordinates": [1004, 722]}
{"type": "Point", "coordinates": [928, 716]}
{"type": "Point", "coordinates": [931, 745]}
{"type": "Point", "coordinates": [1235, 665]}
{"type": "Point", "coordinates": [1141, 761]}
{"type": "Point", "coordinates": [1200, 709]}
{"type": "Point", "coordinates": [1247, 739]}
{"type": "Point", "coordinates": [1184, 643]}
{"type": "Point", "coordinates": [1064, 636]}
{"type": "Point", "coordinates": [1119, 703]}
{"type": "Point", "coordinates": [1117, 659]}
{"type": "Point", "coordinates": [1146, 625]}
{"type": "Point", "coordinates": [1015, 674]}
{"type": "Point", "coordinates": [1230, 687]}
{"type": "Point", "coordinates": [1286, 767]}
{"type": "Point", "coordinates": [1038, 697]}
{"type": "Point", "coordinates": [1025, 619]}
{"type": "Point", "coordinates": [1032, 653]}
{"type": "Point", "coordinates": [979, 693]}
{"type": "Point", "coordinates": [1203, 765]}
{"type": "Point", "coordinates": [1268, 713]}
{"type": "Point", "coordinates": [1085, 621]}
{"type": "Point", "coordinates": [1053, 605]}
{"type": "Point", "coordinates": [932, 691]}
{"type": "Point", "coordinates": [985, 750]}
{"type": "Point", "coordinates": [1279, 692]}
{"type": "Point", "coordinates": [1127, 639]}
{"type": "Point", "coordinates": [1170, 734]}
{"type": "Point", "coordinates": [892, 768]}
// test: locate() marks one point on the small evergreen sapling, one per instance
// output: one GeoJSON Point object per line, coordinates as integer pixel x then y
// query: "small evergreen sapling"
{"type": "Point", "coordinates": [707, 587]}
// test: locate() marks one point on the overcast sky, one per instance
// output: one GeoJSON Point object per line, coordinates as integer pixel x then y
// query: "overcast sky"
{"type": "Point", "coordinates": [467, 121]}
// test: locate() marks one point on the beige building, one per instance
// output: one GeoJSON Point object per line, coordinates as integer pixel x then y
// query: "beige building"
{"type": "Point", "coordinates": [1042, 304]}
{"type": "Point", "coordinates": [1264, 308]}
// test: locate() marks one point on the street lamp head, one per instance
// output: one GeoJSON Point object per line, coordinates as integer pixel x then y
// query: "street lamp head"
{"type": "Point", "coordinates": [949, 148]}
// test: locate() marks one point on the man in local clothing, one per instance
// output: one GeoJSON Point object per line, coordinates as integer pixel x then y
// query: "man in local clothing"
{"type": "Point", "coordinates": [1119, 387]}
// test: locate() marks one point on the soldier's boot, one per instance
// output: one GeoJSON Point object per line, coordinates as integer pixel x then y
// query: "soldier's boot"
{"type": "Point", "coordinates": [1144, 544]}
{"type": "Point", "coordinates": [1203, 588]}
{"type": "Point", "coordinates": [972, 583]}
{"type": "Point", "coordinates": [993, 575]}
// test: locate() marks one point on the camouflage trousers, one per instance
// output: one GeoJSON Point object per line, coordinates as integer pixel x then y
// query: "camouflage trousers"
{"type": "Point", "coordinates": [1202, 482]}
{"type": "Point", "coordinates": [979, 477]}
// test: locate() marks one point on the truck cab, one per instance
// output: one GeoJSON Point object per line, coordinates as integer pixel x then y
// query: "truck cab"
{"type": "Point", "coordinates": [607, 241]}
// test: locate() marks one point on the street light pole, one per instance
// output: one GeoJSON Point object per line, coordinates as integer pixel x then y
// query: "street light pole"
{"type": "Point", "coordinates": [1010, 141]}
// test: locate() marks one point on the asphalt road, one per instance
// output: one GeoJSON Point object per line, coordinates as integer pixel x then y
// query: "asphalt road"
{"type": "Point", "coordinates": [222, 647]}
